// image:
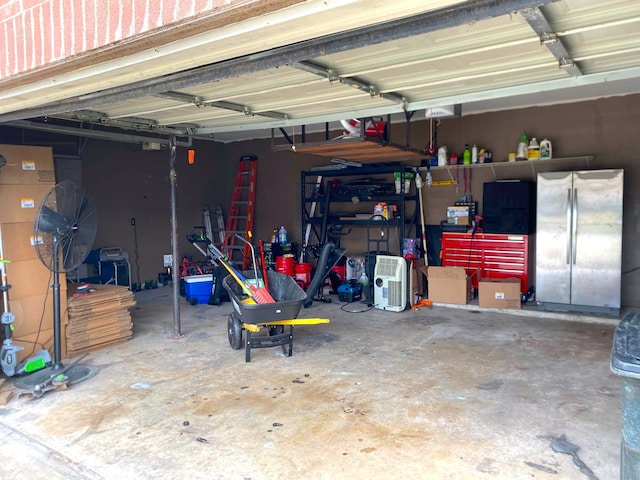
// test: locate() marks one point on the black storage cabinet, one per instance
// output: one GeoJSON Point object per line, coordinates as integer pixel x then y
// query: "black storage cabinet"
{"type": "Point", "coordinates": [625, 362]}
{"type": "Point", "coordinates": [509, 207]}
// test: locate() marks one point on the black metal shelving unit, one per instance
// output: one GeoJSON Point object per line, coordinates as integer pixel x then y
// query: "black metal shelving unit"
{"type": "Point", "coordinates": [321, 190]}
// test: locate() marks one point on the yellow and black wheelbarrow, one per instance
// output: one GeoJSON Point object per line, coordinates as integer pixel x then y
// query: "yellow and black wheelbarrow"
{"type": "Point", "coordinates": [251, 317]}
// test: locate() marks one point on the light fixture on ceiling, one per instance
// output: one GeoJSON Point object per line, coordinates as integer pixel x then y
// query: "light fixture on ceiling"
{"type": "Point", "coordinates": [150, 146]}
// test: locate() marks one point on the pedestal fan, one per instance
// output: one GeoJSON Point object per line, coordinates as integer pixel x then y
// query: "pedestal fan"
{"type": "Point", "coordinates": [65, 227]}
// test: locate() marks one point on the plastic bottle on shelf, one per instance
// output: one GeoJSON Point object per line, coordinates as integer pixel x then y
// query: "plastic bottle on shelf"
{"type": "Point", "coordinates": [274, 236]}
{"type": "Point", "coordinates": [533, 151]}
{"type": "Point", "coordinates": [545, 150]}
{"type": "Point", "coordinates": [466, 156]}
{"type": "Point", "coordinates": [474, 154]}
{"type": "Point", "coordinates": [282, 235]}
{"type": "Point", "coordinates": [521, 153]}
{"type": "Point", "coordinates": [442, 156]}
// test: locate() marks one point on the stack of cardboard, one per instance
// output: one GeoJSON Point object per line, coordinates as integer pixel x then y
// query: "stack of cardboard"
{"type": "Point", "coordinates": [25, 179]}
{"type": "Point", "coordinates": [99, 319]}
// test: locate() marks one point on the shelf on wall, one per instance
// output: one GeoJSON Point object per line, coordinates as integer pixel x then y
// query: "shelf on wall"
{"type": "Point", "coordinates": [521, 170]}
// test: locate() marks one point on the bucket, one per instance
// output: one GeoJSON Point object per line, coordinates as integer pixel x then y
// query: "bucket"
{"type": "Point", "coordinates": [303, 273]}
{"type": "Point", "coordinates": [284, 264]}
{"type": "Point", "coordinates": [341, 270]}
{"type": "Point", "coordinates": [376, 129]}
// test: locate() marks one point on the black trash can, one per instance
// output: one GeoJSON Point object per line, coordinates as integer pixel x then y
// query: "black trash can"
{"type": "Point", "coordinates": [625, 362]}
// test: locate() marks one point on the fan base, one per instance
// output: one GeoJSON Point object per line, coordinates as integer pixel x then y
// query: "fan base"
{"type": "Point", "coordinates": [76, 374]}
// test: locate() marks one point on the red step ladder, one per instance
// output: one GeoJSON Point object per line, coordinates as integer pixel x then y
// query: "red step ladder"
{"type": "Point", "coordinates": [240, 219]}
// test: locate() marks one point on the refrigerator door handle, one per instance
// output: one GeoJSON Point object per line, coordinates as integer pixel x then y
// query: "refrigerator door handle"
{"type": "Point", "coordinates": [574, 227]}
{"type": "Point", "coordinates": [569, 232]}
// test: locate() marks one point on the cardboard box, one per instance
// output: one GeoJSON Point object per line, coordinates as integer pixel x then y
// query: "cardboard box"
{"type": "Point", "coordinates": [458, 215]}
{"type": "Point", "coordinates": [450, 285]}
{"type": "Point", "coordinates": [27, 165]}
{"type": "Point", "coordinates": [458, 220]}
{"type": "Point", "coordinates": [499, 293]}
{"type": "Point", "coordinates": [18, 241]}
{"type": "Point", "coordinates": [20, 203]}
{"type": "Point", "coordinates": [35, 342]}
{"type": "Point", "coordinates": [34, 314]}
{"type": "Point", "coordinates": [31, 278]}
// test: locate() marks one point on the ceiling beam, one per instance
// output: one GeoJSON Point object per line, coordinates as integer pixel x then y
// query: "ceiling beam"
{"type": "Point", "coordinates": [90, 133]}
{"type": "Point", "coordinates": [549, 38]}
{"type": "Point", "coordinates": [234, 107]}
{"type": "Point", "coordinates": [460, 14]}
{"type": "Point", "coordinates": [354, 82]}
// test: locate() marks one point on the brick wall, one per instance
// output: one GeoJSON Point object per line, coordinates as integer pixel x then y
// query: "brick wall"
{"type": "Point", "coordinates": [35, 33]}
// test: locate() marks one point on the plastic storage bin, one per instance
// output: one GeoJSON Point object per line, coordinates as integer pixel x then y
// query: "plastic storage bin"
{"type": "Point", "coordinates": [198, 288]}
{"type": "Point", "coordinates": [625, 362]}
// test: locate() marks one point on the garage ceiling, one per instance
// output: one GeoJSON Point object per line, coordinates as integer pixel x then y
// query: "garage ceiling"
{"type": "Point", "coordinates": [321, 61]}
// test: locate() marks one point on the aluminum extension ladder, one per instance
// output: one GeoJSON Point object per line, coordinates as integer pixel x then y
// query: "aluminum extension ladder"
{"type": "Point", "coordinates": [240, 218]}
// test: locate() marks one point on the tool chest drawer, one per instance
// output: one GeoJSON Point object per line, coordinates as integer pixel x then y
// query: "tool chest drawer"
{"type": "Point", "coordinates": [496, 255]}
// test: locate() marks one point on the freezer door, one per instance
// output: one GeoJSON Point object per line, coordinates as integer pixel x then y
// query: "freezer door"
{"type": "Point", "coordinates": [597, 244]}
{"type": "Point", "coordinates": [553, 239]}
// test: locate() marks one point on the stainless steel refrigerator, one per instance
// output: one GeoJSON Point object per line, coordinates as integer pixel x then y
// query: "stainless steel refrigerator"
{"type": "Point", "coordinates": [579, 240]}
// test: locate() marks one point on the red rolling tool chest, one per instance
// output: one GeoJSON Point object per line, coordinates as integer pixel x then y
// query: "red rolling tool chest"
{"type": "Point", "coordinates": [496, 255]}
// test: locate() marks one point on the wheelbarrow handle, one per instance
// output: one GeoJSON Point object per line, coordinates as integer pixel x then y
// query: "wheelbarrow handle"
{"type": "Point", "coordinates": [253, 253]}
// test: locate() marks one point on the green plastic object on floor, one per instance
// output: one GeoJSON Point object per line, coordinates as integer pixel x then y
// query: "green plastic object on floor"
{"type": "Point", "coordinates": [41, 360]}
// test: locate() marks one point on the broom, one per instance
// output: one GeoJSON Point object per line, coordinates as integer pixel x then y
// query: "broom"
{"type": "Point", "coordinates": [259, 295]}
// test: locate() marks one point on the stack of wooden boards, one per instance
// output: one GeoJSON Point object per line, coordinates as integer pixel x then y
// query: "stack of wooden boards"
{"type": "Point", "coordinates": [99, 319]}
{"type": "Point", "coordinates": [25, 179]}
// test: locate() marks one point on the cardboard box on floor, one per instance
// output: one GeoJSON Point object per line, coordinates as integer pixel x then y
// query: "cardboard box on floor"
{"type": "Point", "coordinates": [450, 285]}
{"type": "Point", "coordinates": [27, 165]}
{"type": "Point", "coordinates": [499, 293]}
{"type": "Point", "coordinates": [34, 314]}
{"type": "Point", "coordinates": [30, 278]}
{"type": "Point", "coordinates": [35, 342]}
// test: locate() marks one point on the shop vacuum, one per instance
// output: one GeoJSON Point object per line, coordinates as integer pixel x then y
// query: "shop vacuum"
{"type": "Point", "coordinates": [350, 291]}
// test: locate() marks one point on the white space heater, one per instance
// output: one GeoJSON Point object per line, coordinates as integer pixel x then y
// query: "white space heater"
{"type": "Point", "coordinates": [390, 283]}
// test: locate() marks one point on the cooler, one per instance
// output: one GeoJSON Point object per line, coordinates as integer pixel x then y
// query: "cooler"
{"type": "Point", "coordinates": [198, 288]}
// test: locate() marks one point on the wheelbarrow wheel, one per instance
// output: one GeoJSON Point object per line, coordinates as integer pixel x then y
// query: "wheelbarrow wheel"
{"type": "Point", "coordinates": [234, 328]}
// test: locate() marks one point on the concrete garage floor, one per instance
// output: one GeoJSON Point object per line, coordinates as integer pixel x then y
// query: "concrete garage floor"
{"type": "Point", "coordinates": [437, 393]}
